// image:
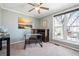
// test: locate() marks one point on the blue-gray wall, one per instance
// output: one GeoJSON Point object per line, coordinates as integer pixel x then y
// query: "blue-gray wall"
{"type": "Point", "coordinates": [10, 21]}
{"type": "Point", "coordinates": [49, 20]}
{"type": "Point", "coordinates": [0, 16]}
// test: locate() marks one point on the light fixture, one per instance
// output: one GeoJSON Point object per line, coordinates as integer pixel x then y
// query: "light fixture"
{"type": "Point", "coordinates": [37, 8]}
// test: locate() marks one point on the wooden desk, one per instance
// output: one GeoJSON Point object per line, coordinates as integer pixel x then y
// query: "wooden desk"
{"type": "Point", "coordinates": [44, 32]}
{"type": "Point", "coordinates": [7, 38]}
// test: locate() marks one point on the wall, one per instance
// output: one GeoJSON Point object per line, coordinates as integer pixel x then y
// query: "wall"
{"type": "Point", "coordinates": [36, 23]}
{"type": "Point", "coordinates": [10, 21]}
{"type": "Point", "coordinates": [0, 16]}
{"type": "Point", "coordinates": [49, 20]}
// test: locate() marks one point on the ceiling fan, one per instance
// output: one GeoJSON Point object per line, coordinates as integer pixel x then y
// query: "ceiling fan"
{"type": "Point", "coordinates": [37, 7]}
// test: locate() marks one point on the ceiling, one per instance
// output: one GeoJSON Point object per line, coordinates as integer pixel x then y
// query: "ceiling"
{"type": "Point", "coordinates": [24, 7]}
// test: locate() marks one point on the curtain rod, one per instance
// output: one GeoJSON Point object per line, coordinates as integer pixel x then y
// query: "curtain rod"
{"type": "Point", "coordinates": [67, 12]}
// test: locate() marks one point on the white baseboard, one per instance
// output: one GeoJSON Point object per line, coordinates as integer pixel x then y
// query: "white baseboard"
{"type": "Point", "coordinates": [17, 42]}
{"type": "Point", "coordinates": [61, 44]}
{"type": "Point", "coordinates": [14, 42]}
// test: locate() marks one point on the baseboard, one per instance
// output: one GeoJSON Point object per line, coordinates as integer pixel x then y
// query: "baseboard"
{"type": "Point", "coordinates": [17, 42]}
{"type": "Point", "coordinates": [14, 42]}
{"type": "Point", "coordinates": [61, 44]}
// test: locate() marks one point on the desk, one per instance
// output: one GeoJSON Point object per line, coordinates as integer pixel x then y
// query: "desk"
{"type": "Point", "coordinates": [7, 38]}
{"type": "Point", "coordinates": [44, 32]}
{"type": "Point", "coordinates": [35, 34]}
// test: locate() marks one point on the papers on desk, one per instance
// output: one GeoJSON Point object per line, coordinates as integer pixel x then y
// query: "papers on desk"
{"type": "Point", "coordinates": [35, 34]}
{"type": "Point", "coordinates": [29, 35]}
{"type": "Point", "coordinates": [4, 35]}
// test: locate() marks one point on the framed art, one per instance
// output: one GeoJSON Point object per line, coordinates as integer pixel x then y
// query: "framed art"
{"type": "Point", "coordinates": [24, 23]}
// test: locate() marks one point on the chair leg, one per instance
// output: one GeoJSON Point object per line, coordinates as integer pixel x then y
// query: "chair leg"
{"type": "Point", "coordinates": [40, 42]}
{"type": "Point", "coordinates": [29, 41]}
{"type": "Point", "coordinates": [36, 41]}
{"type": "Point", "coordinates": [25, 44]}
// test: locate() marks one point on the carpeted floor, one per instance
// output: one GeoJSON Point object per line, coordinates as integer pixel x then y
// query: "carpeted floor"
{"type": "Point", "coordinates": [48, 49]}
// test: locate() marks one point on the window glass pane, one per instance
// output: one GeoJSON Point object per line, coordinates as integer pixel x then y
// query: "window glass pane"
{"type": "Point", "coordinates": [73, 35]}
{"type": "Point", "coordinates": [73, 27]}
{"type": "Point", "coordinates": [57, 23]}
{"type": "Point", "coordinates": [59, 33]}
{"type": "Point", "coordinates": [76, 23]}
{"type": "Point", "coordinates": [58, 27]}
{"type": "Point", "coordinates": [72, 18]}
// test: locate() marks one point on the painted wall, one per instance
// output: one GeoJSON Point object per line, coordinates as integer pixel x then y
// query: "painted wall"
{"type": "Point", "coordinates": [48, 20]}
{"type": "Point", "coordinates": [10, 21]}
{"type": "Point", "coordinates": [0, 16]}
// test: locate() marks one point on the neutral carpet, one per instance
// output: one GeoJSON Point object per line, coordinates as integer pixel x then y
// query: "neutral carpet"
{"type": "Point", "coordinates": [48, 49]}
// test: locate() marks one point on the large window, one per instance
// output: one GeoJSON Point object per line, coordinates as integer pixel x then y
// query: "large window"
{"type": "Point", "coordinates": [58, 27]}
{"type": "Point", "coordinates": [66, 26]}
{"type": "Point", "coordinates": [73, 27]}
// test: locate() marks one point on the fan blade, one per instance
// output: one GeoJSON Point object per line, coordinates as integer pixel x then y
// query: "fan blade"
{"type": "Point", "coordinates": [31, 4]}
{"type": "Point", "coordinates": [31, 9]}
{"type": "Point", "coordinates": [39, 11]}
{"type": "Point", "coordinates": [44, 8]}
{"type": "Point", "coordinates": [41, 3]}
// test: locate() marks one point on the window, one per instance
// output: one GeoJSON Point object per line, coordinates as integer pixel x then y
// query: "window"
{"type": "Point", "coordinates": [73, 27]}
{"type": "Point", "coordinates": [66, 26]}
{"type": "Point", "coordinates": [58, 27]}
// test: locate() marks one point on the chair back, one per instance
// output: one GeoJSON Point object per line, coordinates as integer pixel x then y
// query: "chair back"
{"type": "Point", "coordinates": [27, 31]}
